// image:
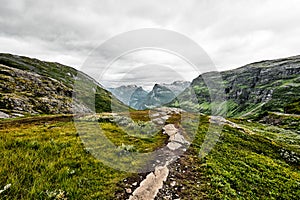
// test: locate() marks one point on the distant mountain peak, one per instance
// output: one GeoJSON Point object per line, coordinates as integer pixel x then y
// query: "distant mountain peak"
{"type": "Point", "coordinates": [138, 98]}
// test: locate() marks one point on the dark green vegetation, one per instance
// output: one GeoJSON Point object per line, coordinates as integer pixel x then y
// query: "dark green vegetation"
{"type": "Point", "coordinates": [31, 86]}
{"type": "Point", "coordinates": [272, 85]}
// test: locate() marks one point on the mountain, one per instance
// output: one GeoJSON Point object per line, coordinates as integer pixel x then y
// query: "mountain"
{"type": "Point", "coordinates": [177, 86]}
{"type": "Point", "coordinates": [158, 96]}
{"type": "Point", "coordinates": [270, 85]}
{"type": "Point", "coordinates": [163, 93]}
{"type": "Point", "coordinates": [130, 95]}
{"type": "Point", "coordinates": [47, 157]}
{"type": "Point", "coordinates": [30, 86]}
{"type": "Point", "coordinates": [137, 98]}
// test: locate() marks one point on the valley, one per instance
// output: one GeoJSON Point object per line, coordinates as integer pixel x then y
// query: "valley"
{"type": "Point", "coordinates": [137, 98]}
{"type": "Point", "coordinates": [49, 149]}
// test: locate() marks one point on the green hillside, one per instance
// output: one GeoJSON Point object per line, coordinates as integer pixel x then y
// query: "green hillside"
{"type": "Point", "coordinates": [272, 85]}
{"type": "Point", "coordinates": [30, 86]}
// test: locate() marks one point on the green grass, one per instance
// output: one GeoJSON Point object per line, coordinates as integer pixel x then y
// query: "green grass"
{"type": "Point", "coordinates": [250, 167]}
{"type": "Point", "coordinates": [45, 156]}
{"type": "Point", "coordinates": [37, 159]}
{"type": "Point", "coordinates": [241, 166]}
{"type": "Point", "coordinates": [141, 144]}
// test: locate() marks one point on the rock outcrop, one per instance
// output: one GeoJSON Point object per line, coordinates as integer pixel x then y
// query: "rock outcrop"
{"type": "Point", "coordinates": [271, 85]}
{"type": "Point", "coordinates": [30, 86]}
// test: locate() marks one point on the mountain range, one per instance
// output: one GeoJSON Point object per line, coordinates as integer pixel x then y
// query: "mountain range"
{"type": "Point", "coordinates": [45, 155]}
{"type": "Point", "coordinates": [137, 98]}
{"type": "Point", "coordinates": [31, 86]}
{"type": "Point", "coordinates": [130, 95]}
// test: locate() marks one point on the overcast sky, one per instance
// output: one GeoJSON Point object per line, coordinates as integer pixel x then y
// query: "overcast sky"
{"type": "Point", "coordinates": [233, 33]}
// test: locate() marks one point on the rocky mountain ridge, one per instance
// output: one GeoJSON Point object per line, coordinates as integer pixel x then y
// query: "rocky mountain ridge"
{"type": "Point", "coordinates": [137, 98]}
{"type": "Point", "coordinates": [130, 95]}
{"type": "Point", "coordinates": [177, 86]}
{"type": "Point", "coordinates": [271, 85]}
{"type": "Point", "coordinates": [162, 94]}
{"type": "Point", "coordinates": [30, 86]}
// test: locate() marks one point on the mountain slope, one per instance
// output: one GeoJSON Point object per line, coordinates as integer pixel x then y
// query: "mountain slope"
{"type": "Point", "coordinates": [162, 94]}
{"type": "Point", "coordinates": [177, 86]}
{"type": "Point", "coordinates": [272, 85]}
{"type": "Point", "coordinates": [31, 86]}
{"type": "Point", "coordinates": [159, 96]}
{"type": "Point", "coordinates": [137, 98]}
{"type": "Point", "coordinates": [130, 95]}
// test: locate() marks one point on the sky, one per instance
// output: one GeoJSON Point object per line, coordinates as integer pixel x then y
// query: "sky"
{"type": "Point", "coordinates": [232, 33]}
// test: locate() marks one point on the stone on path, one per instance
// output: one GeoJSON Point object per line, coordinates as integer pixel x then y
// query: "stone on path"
{"type": "Point", "coordinates": [4, 115]}
{"type": "Point", "coordinates": [150, 186]}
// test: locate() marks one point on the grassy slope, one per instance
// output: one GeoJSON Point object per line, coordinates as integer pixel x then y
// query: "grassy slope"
{"type": "Point", "coordinates": [47, 155]}
{"type": "Point", "coordinates": [65, 75]}
{"type": "Point", "coordinates": [248, 166]}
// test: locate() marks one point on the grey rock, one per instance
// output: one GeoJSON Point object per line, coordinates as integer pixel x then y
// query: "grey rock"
{"type": "Point", "coordinates": [30, 86]}
{"type": "Point", "coordinates": [4, 115]}
{"type": "Point", "coordinates": [262, 86]}
{"type": "Point", "coordinates": [128, 190]}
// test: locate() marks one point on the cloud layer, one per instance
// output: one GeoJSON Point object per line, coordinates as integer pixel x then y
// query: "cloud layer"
{"type": "Point", "coordinates": [233, 33]}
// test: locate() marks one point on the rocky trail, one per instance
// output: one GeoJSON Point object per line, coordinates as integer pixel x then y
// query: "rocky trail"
{"type": "Point", "coordinates": [150, 186]}
{"type": "Point", "coordinates": [163, 182]}
{"type": "Point", "coordinates": [154, 181]}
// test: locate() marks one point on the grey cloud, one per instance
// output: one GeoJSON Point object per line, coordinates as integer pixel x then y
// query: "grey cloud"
{"type": "Point", "coordinates": [233, 33]}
